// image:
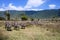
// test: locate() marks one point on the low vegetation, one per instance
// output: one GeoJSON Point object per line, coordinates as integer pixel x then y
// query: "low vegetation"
{"type": "Point", "coordinates": [42, 31]}
{"type": "Point", "coordinates": [3, 35]}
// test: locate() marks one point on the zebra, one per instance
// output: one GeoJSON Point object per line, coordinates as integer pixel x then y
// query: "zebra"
{"type": "Point", "coordinates": [8, 26]}
{"type": "Point", "coordinates": [16, 26]}
{"type": "Point", "coordinates": [23, 25]}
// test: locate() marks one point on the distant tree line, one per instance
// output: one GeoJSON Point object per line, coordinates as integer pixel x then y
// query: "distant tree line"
{"type": "Point", "coordinates": [7, 16]}
{"type": "Point", "coordinates": [22, 16]}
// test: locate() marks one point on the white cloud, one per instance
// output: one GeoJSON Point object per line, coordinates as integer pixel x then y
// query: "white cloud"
{"type": "Point", "coordinates": [34, 3]}
{"type": "Point", "coordinates": [12, 7]}
{"type": "Point", "coordinates": [1, 9]}
{"type": "Point", "coordinates": [36, 9]}
{"type": "Point", "coordinates": [52, 6]}
{"type": "Point", "coordinates": [33, 9]}
{"type": "Point", "coordinates": [28, 6]}
{"type": "Point", "coordinates": [41, 9]}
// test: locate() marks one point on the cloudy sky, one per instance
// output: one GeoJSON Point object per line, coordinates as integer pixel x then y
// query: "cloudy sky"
{"type": "Point", "coordinates": [29, 4]}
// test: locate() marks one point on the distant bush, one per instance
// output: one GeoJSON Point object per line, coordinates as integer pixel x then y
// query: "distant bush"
{"type": "Point", "coordinates": [32, 19]}
{"type": "Point", "coordinates": [2, 18]}
{"type": "Point", "coordinates": [24, 18]}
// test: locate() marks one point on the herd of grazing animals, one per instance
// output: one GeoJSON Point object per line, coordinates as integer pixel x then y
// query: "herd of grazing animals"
{"type": "Point", "coordinates": [21, 24]}
{"type": "Point", "coordinates": [17, 25]}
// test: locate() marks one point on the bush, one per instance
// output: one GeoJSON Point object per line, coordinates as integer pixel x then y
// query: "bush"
{"type": "Point", "coordinates": [2, 18]}
{"type": "Point", "coordinates": [24, 18]}
{"type": "Point", "coordinates": [32, 19]}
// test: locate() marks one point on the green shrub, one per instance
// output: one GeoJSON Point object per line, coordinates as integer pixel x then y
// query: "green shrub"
{"type": "Point", "coordinates": [24, 18]}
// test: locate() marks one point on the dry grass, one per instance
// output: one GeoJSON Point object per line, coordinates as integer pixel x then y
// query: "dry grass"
{"type": "Point", "coordinates": [35, 33]}
{"type": "Point", "coordinates": [3, 35]}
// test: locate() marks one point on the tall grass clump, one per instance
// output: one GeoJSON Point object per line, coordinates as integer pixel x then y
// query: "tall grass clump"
{"type": "Point", "coordinates": [3, 35]}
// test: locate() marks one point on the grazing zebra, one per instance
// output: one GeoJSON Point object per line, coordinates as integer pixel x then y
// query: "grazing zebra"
{"type": "Point", "coordinates": [8, 26]}
{"type": "Point", "coordinates": [16, 26]}
{"type": "Point", "coordinates": [23, 25]}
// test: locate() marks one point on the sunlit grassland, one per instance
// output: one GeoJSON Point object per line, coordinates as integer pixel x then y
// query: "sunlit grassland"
{"type": "Point", "coordinates": [34, 32]}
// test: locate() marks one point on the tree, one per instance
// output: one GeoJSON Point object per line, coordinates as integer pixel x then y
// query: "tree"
{"type": "Point", "coordinates": [54, 18]}
{"type": "Point", "coordinates": [23, 17]}
{"type": "Point", "coordinates": [7, 14]}
{"type": "Point", "coordinates": [2, 18]}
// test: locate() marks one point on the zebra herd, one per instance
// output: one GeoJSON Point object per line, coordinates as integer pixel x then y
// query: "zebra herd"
{"type": "Point", "coordinates": [15, 25]}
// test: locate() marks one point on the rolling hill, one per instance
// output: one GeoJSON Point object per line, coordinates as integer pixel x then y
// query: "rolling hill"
{"type": "Point", "coordinates": [34, 14]}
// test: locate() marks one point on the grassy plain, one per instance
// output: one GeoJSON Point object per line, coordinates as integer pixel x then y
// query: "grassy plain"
{"type": "Point", "coordinates": [45, 31]}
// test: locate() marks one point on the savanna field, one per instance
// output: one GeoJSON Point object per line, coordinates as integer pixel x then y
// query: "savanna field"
{"type": "Point", "coordinates": [45, 30]}
{"type": "Point", "coordinates": [29, 19]}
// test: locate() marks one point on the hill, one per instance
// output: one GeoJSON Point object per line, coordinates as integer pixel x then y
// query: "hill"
{"type": "Point", "coordinates": [34, 14]}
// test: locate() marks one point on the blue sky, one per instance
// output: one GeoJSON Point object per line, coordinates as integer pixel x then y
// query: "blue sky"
{"type": "Point", "coordinates": [29, 4]}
